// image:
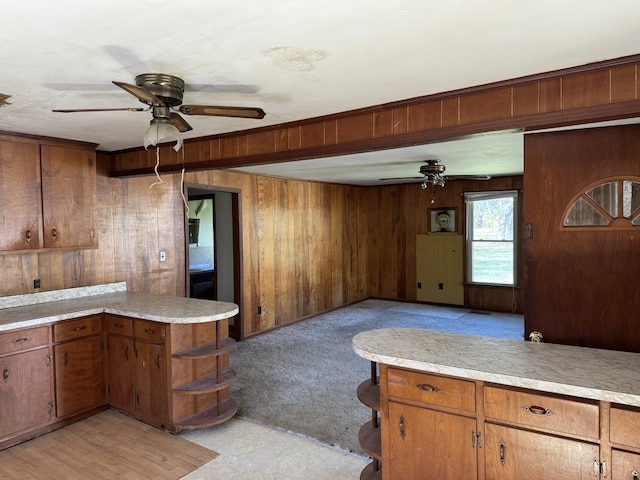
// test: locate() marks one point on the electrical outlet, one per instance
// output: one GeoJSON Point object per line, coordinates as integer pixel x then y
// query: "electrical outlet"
{"type": "Point", "coordinates": [260, 310]}
{"type": "Point", "coordinates": [36, 283]}
{"type": "Point", "coordinates": [441, 286]}
{"type": "Point", "coordinates": [419, 284]}
{"type": "Point", "coordinates": [163, 256]}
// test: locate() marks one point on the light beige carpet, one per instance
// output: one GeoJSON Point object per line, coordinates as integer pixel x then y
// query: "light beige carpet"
{"type": "Point", "coordinates": [107, 446]}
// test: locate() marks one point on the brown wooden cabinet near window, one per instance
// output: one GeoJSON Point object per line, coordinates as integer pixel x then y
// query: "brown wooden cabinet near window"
{"type": "Point", "coordinates": [26, 379]}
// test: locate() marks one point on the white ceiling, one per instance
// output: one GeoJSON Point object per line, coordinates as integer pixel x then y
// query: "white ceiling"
{"type": "Point", "coordinates": [296, 60]}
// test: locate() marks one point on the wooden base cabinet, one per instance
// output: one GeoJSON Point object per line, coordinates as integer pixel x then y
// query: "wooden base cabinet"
{"type": "Point", "coordinates": [137, 367]}
{"type": "Point", "coordinates": [512, 453]}
{"type": "Point", "coordinates": [426, 443]}
{"type": "Point", "coordinates": [26, 382]}
{"type": "Point", "coordinates": [440, 427]}
{"type": "Point", "coordinates": [624, 433]}
{"type": "Point", "coordinates": [79, 365]}
{"type": "Point", "coordinates": [174, 376]}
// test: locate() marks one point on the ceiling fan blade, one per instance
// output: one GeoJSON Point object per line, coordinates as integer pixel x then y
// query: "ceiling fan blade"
{"type": "Point", "coordinates": [179, 122]}
{"type": "Point", "coordinates": [73, 110]}
{"type": "Point", "coordinates": [140, 93]}
{"type": "Point", "coordinates": [400, 178]}
{"type": "Point", "coordinates": [467, 177]}
{"type": "Point", "coordinates": [218, 111]}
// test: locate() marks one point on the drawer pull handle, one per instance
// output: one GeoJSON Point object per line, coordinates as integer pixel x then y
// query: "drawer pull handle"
{"type": "Point", "coordinates": [77, 329]}
{"type": "Point", "coordinates": [126, 353]}
{"type": "Point", "coordinates": [502, 458]}
{"type": "Point", "coordinates": [5, 373]}
{"type": "Point", "coordinates": [401, 426]}
{"type": "Point", "coordinates": [634, 474]}
{"type": "Point", "coordinates": [425, 387]}
{"type": "Point", "coordinates": [20, 340]}
{"type": "Point", "coordinates": [54, 233]}
{"type": "Point", "coordinates": [66, 358]}
{"type": "Point", "coordinates": [118, 325]}
{"type": "Point", "coordinates": [28, 235]}
{"type": "Point", "coordinates": [149, 331]}
{"type": "Point", "coordinates": [537, 410]}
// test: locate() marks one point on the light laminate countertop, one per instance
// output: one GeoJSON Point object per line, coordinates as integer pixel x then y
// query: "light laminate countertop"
{"type": "Point", "coordinates": [159, 308]}
{"type": "Point", "coordinates": [578, 371]}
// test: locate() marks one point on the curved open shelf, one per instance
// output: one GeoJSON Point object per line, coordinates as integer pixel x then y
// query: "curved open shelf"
{"type": "Point", "coordinates": [208, 350]}
{"type": "Point", "coordinates": [210, 417]}
{"type": "Point", "coordinates": [370, 440]}
{"type": "Point", "coordinates": [369, 394]}
{"type": "Point", "coordinates": [371, 472]}
{"type": "Point", "coordinates": [208, 384]}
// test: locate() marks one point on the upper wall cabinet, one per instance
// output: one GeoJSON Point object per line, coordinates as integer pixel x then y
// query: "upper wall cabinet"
{"type": "Point", "coordinates": [68, 197]}
{"type": "Point", "coordinates": [48, 196]}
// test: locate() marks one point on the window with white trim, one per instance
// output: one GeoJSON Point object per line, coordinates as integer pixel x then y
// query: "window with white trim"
{"type": "Point", "coordinates": [491, 236]}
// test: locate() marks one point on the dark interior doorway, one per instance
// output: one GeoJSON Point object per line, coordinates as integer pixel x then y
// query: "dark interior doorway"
{"type": "Point", "coordinates": [213, 248]}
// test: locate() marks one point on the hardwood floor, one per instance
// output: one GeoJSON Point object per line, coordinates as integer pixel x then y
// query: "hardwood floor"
{"type": "Point", "coordinates": [106, 446]}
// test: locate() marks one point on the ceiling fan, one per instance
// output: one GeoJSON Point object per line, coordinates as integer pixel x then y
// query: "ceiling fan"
{"type": "Point", "coordinates": [163, 94]}
{"type": "Point", "coordinates": [433, 171]}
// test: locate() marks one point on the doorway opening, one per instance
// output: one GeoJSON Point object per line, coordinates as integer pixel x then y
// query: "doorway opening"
{"type": "Point", "coordinates": [212, 237]}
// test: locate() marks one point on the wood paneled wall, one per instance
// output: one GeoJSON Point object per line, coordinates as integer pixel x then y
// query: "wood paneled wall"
{"type": "Point", "coordinates": [307, 247]}
{"type": "Point", "coordinates": [398, 213]}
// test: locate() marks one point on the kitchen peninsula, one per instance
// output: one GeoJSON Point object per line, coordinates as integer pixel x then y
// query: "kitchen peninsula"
{"type": "Point", "coordinates": [463, 406]}
{"type": "Point", "coordinates": [161, 359]}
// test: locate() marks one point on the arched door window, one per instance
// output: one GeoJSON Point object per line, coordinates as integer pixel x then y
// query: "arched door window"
{"type": "Point", "coordinates": [612, 203]}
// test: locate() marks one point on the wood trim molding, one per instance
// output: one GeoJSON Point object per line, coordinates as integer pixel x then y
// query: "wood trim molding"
{"type": "Point", "coordinates": [589, 93]}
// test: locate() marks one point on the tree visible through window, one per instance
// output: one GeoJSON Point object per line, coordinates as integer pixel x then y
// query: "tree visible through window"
{"type": "Point", "coordinates": [490, 237]}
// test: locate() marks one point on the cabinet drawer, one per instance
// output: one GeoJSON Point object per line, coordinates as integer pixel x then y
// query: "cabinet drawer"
{"type": "Point", "coordinates": [431, 389]}
{"type": "Point", "coordinates": [80, 327]}
{"type": "Point", "coordinates": [119, 325]}
{"type": "Point", "coordinates": [541, 411]}
{"type": "Point", "coordinates": [625, 426]}
{"type": "Point", "coordinates": [15, 341]}
{"type": "Point", "coordinates": [152, 332]}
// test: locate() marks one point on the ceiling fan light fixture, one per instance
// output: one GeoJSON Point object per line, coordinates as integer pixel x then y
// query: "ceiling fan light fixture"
{"type": "Point", "coordinates": [162, 129]}
{"type": "Point", "coordinates": [432, 171]}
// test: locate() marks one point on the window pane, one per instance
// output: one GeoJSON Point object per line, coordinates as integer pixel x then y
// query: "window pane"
{"type": "Point", "coordinates": [491, 240]}
{"type": "Point", "coordinates": [606, 195]}
{"type": "Point", "coordinates": [493, 219]}
{"type": "Point", "coordinates": [581, 213]}
{"type": "Point", "coordinates": [631, 197]}
{"type": "Point", "coordinates": [492, 262]}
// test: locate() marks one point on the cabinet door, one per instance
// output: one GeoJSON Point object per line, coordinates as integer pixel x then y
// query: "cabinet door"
{"type": "Point", "coordinates": [625, 465]}
{"type": "Point", "coordinates": [121, 362]}
{"type": "Point", "coordinates": [151, 381]}
{"type": "Point", "coordinates": [515, 454]}
{"type": "Point", "coordinates": [68, 197]}
{"type": "Point", "coordinates": [79, 375]}
{"type": "Point", "coordinates": [25, 391]}
{"type": "Point", "coordinates": [427, 444]}
{"type": "Point", "coordinates": [20, 196]}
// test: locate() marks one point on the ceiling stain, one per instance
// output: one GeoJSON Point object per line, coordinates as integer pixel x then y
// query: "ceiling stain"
{"type": "Point", "coordinates": [295, 59]}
